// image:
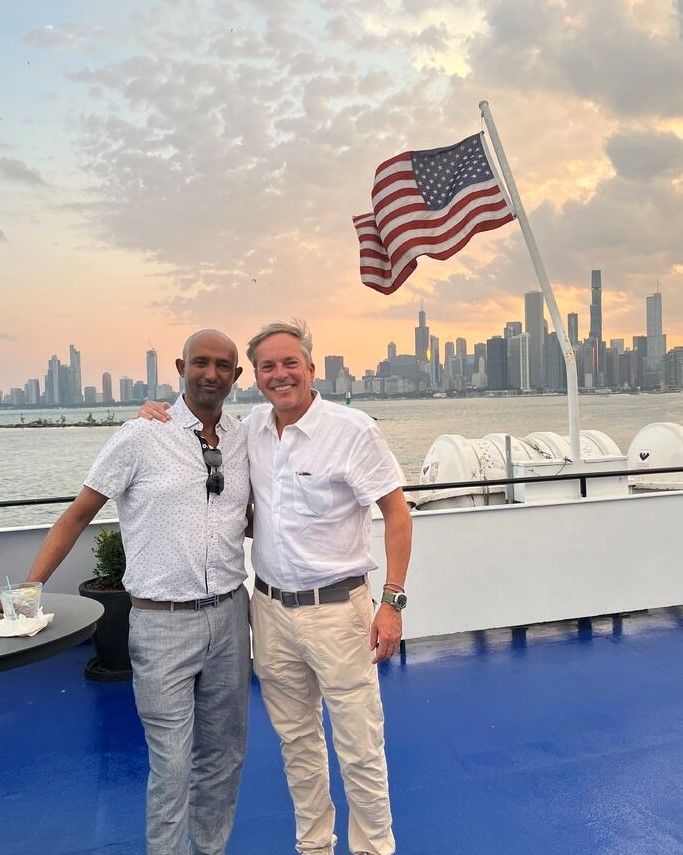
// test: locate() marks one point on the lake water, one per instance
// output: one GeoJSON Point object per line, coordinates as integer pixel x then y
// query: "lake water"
{"type": "Point", "coordinates": [43, 462]}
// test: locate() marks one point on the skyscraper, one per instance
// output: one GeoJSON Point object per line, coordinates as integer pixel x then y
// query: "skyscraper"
{"type": "Point", "coordinates": [534, 325]}
{"type": "Point", "coordinates": [612, 366]}
{"type": "Point", "coordinates": [434, 363]}
{"type": "Point", "coordinates": [555, 368]}
{"type": "Point", "coordinates": [333, 365]}
{"type": "Point", "coordinates": [674, 368]}
{"type": "Point", "coordinates": [497, 363]}
{"type": "Point", "coordinates": [448, 355]}
{"type": "Point", "coordinates": [52, 382]}
{"type": "Point", "coordinates": [512, 328]}
{"type": "Point", "coordinates": [573, 328]}
{"type": "Point", "coordinates": [32, 391]}
{"type": "Point", "coordinates": [518, 362]}
{"type": "Point", "coordinates": [76, 383]}
{"type": "Point", "coordinates": [596, 305]}
{"type": "Point", "coordinates": [461, 347]}
{"type": "Point", "coordinates": [152, 376]}
{"type": "Point", "coordinates": [421, 338]}
{"type": "Point", "coordinates": [125, 390]}
{"type": "Point", "coordinates": [596, 327]}
{"type": "Point", "coordinates": [107, 396]}
{"type": "Point", "coordinates": [66, 387]}
{"type": "Point", "coordinates": [391, 350]}
{"type": "Point", "coordinates": [589, 362]}
{"type": "Point", "coordinates": [653, 308]}
{"type": "Point", "coordinates": [653, 374]}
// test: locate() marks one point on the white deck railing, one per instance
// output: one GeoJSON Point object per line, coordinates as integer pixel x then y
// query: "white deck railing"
{"type": "Point", "coordinates": [484, 567]}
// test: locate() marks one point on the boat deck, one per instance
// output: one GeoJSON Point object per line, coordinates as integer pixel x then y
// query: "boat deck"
{"type": "Point", "coordinates": [560, 739]}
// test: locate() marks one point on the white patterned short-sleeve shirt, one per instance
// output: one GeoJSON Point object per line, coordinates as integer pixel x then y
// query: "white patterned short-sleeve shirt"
{"type": "Point", "coordinates": [179, 543]}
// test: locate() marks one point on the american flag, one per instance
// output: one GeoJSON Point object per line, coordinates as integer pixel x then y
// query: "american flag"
{"type": "Point", "coordinates": [427, 203]}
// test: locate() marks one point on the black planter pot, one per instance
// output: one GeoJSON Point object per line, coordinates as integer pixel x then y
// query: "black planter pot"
{"type": "Point", "coordinates": [111, 662]}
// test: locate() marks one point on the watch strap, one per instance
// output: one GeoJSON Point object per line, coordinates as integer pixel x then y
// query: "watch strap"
{"type": "Point", "coordinates": [390, 597]}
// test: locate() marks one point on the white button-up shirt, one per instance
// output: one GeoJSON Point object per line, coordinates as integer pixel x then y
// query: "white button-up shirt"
{"type": "Point", "coordinates": [179, 544]}
{"type": "Point", "coordinates": [312, 490]}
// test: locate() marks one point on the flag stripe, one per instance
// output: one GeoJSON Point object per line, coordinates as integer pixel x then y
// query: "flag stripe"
{"type": "Point", "coordinates": [388, 164]}
{"type": "Point", "coordinates": [490, 187]}
{"type": "Point", "coordinates": [391, 178]}
{"type": "Point", "coordinates": [407, 236]}
{"type": "Point", "coordinates": [445, 248]}
{"type": "Point", "coordinates": [407, 189]}
{"type": "Point", "coordinates": [434, 219]}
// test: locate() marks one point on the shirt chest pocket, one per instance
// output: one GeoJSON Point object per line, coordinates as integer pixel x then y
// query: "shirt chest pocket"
{"type": "Point", "coordinates": [312, 495]}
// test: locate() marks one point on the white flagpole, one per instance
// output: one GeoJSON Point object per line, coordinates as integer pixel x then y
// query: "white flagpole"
{"type": "Point", "coordinates": [543, 281]}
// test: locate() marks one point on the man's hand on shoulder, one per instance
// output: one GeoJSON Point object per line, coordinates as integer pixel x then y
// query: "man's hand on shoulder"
{"type": "Point", "coordinates": [154, 411]}
{"type": "Point", "coordinates": [386, 631]}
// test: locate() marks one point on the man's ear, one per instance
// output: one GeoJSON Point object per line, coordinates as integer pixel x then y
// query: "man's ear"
{"type": "Point", "coordinates": [238, 371]}
{"type": "Point", "coordinates": [180, 365]}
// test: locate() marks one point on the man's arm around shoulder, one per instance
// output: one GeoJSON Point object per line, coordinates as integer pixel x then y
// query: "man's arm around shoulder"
{"type": "Point", "coordinates": [64, 533]}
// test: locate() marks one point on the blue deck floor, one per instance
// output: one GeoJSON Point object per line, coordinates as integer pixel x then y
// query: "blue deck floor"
{"type": "Point", "coordinates": [564, 741]}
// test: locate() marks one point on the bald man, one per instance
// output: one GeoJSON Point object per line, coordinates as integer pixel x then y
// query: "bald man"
{"type": "Point", "coordinates": [182, 496]}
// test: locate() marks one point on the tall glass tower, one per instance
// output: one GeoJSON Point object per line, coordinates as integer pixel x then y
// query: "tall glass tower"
{"type": "Point", "coordinates": [152, 377]}
{"type": "Point", "coordinates": [654, 314]}
{"type": "Point", "coordinates": [534, 325]}
{"type": "Point", "coordinates": [75, 373]}
{"type": "Point", "coordinates": [596, 305]}
{"type": "Point", "coordinates": [656, 341]}
{"type": "Point", "coordinates": [422, 338]}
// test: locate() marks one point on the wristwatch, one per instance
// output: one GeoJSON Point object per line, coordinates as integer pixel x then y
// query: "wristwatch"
{"type": "Point", "coordinates": [396, 599]}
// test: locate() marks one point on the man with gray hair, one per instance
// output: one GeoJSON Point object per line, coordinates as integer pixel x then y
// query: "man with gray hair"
{"type": "Point", "coordinates": [315, 468]}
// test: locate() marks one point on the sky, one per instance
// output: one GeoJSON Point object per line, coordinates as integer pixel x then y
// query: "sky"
{"type": "Point", "coordinates": [170, 166]}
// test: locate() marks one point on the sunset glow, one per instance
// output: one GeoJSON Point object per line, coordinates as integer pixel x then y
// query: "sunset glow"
{"type": "Point", "coordinates": [170, 166]}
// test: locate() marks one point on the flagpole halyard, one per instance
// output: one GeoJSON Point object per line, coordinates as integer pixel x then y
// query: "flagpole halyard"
{"type": "Point", "coordinates": [543, 281]}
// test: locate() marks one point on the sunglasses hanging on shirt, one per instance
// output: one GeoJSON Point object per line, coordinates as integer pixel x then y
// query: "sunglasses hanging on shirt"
{"type": "Point", "coordinates": [213, 460]}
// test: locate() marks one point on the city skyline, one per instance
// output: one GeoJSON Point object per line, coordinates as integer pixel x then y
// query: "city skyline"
{"type": "Point", "coordinates": [169, 167]}
{"type": "Point", "coordinates": [520, 361]}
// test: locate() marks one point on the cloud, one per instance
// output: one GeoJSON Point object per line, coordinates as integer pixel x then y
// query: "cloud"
{"type": "Point", "coordinates": [643, 155]}
{"type": "Point", "coordinates": [236, 160]}
{"type": "Point", "coordinates": [50, 36]}
{"type": "Point", "coordinates": [17, 170]}
{"type": "Point", "coordinates": [594, 49]}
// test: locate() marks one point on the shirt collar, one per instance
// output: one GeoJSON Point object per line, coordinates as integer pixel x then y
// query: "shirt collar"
{"type": "Point", "coordinates": [184, 416]}
{"type": "Point", "coordinates": [307, 423]}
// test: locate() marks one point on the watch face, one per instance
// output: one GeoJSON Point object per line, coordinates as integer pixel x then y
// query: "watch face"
{"type": "Point", "coordinates": [400, 601]}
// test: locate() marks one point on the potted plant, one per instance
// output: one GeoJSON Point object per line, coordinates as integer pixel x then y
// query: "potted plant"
{"type": "Point", "coordinates": [111, 661]}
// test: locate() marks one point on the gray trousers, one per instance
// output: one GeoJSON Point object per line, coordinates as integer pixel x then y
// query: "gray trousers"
{"type": "Point", "coordinates": [191, 685]}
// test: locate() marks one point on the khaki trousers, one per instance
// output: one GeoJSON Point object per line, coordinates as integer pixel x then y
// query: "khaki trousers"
{"type": "Point", "coordinates": [300, 656]}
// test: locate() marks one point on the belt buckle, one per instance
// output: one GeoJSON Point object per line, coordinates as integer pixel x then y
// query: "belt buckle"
{"type": "Point", "coordinates": [289, 599]}
{"type": "Point", "coordinates": [206, 601]}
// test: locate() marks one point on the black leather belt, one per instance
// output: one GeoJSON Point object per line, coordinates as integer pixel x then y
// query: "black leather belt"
{"type": "Point", "coordinates": [169, 606]}
{"type": "Point", "coordinates": [337, 592]}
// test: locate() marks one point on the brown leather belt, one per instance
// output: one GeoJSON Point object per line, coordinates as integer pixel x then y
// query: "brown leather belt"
{"type": "Point", "coordinates": [337, 592]}
{"type": "Point", "coordinates": [169, 606]}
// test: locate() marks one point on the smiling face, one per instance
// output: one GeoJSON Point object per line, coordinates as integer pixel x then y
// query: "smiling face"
{"type": "Point", "coordinates": [209, 366]}
{"type": "Point", "coordinates": [284, 376]}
